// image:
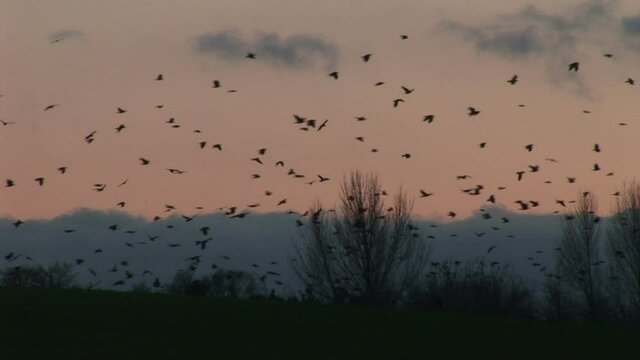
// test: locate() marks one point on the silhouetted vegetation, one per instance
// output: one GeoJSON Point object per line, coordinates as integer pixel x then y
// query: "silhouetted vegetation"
{"type": "Point", "coordinates": [221, 283]}
{"type": "Point", "coordinates": [56, 275]}
{"type": "Point", "coordinates": [475, 286]}
{"type": "Point", "coordinates": [362, 252]}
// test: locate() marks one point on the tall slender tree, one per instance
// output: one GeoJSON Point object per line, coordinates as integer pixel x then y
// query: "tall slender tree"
{"type": "Point", "coordinates": [363, 251]}
{"type": "Point", "coordinates": [579, 262]}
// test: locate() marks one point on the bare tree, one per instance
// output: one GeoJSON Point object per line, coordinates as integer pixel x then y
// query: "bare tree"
{"type": "Point", "coordinates": [579, 259]}
{"type": "Point", "coordinates": [362, 251]}
{"type": "Point", "coordinates": [624, 249]}
{"type": "Point", "coordinates": [56, 275]}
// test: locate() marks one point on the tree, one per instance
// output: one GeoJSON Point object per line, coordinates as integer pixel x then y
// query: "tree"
{"type": "Point", "coordinates": [579, 259]}
{"type": "Point", "coordinates": [361, 252]}
{"type": "Point", "coordinates": [220, 283]}
{"type": "Point", "coordinates": [624, 249]}
{"type": "Point", "coordinates": [56, 275]}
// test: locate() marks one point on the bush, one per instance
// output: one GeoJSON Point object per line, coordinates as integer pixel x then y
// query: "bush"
{"type": "Point", "coordinates": [221, 283]}
{"type": "Point", "coordinates": [476, 287]}
{"type": "Point", "coordinates": [56, 275]}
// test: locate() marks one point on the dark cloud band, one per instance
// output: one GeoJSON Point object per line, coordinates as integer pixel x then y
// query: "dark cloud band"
{"type": "Point", "coordinates": [294, 52]}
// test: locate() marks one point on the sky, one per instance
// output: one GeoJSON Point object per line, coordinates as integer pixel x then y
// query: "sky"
{"type": "Point", "coordinates": [89, 58]}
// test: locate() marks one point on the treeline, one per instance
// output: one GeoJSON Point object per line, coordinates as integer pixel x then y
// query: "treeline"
{"type": "Point", "coordinates": [368, 252]}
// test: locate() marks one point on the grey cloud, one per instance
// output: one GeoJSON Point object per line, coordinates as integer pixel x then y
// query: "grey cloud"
{"type": "Point", "coordinates": [532, 32]}
{"type": "Point", "coordinates": [64, 34]}
{"type": "Point", "coordinates": [631, 32]}
{"type": "Point", "coordinates": [294, 52]}
{"type": "Point", "coordinates": [259, 239]}
{"type": "Point", "coordinates": [631, 25]}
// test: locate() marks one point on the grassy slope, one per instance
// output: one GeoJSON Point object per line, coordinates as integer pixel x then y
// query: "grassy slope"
{"type": "Point", "coordinates": [40, 323]}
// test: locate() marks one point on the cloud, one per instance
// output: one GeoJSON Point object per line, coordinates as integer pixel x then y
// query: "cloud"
{"type": "Point", "coordinates": [294, 52]}
{"type": "Point", "coordinates": [533, 32]}
{"type": "Point", "coordinates": [631, 31]}
{"type": "Point", "coordinates": [65, 34]}
{"type": "Point", "coordinates": [259, 239]}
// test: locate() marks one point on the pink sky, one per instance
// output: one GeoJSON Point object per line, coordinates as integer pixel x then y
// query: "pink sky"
{"type": "Point", "coordinates": [111, 52]}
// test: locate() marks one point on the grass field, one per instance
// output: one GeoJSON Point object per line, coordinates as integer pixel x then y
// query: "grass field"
{"type": "Point", "coordinates": [90, 324]}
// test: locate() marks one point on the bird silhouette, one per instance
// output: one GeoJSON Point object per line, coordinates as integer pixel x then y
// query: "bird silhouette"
{"type": "Point", "coordinates": [428, 118]}
{"type": "Point", "coordinates": [365, 57]}
{"type": "Point", "coordinates": [334, 75]}
{"type": "Point", "coordinates": [513, 80]}
{"type": "Point", "coordinates": [472, 111]}
{"type": "Point", "coordinates": [574, 66]}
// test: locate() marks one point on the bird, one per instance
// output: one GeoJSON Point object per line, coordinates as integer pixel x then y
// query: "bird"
{"type": "Point", "coordinates": [323, 179]}
{"type": "Point", "coordinates": [630, 81]}
{"type": "Point", "coordinates": [396, 102]}
{"type": "Point", "coordinates": [250, 55]}
{"type": "Point", "coordinates": [529, 147]}
{"type": "Point", "coordinates": [217, 146]}
{"type": "Point", "coordinates": [9, 183]}
{"type": "Point", "coordinates": [334, 75]}
{"type": "Point", "coordinates": [121, 110]}
{"type": "Point", "coordinates": [159, 77]}
{"type": "Point", "coordinates": [424, 193]}
{"type": "Point", "coordinates": [365, 57]}
{"type": "Point", "coordinates": [49, 107]}
{"type": "Point", "coordinates": [5, 123]}
{"type": "Point", "coordinates": [406, 156]}
{"type": "Point", "coordinates": [39, 180]}
{"type": "Point", "coordinates": [406, 90]}
{"type": "Point", "coordinates": [404, 37]}
{"type": "Point", "coordinates": [490, 249]}
{"type": "Point", "coordinates": [144, 161]}
{"type": "Point", "coordinates": [513, 80]}
{"type": "Point", "coordinates": [472, 111]}
{"type": "Point", "coordinates": [596, 148]}
{"type": "Point", "coordinates": [574, 66]}
{"type": "Point", "coordinates": [428, 118]}
{"type": "Point", "coordinates": [216, 84]}
{"type": "Point", "coordinates": [324, 123]}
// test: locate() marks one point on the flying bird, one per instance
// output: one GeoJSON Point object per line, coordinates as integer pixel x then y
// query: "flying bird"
{"type": "Point", "coordinates": [406, 90]}
{"type": "Point", "coordinates": [513, 80]}
{"type": "Point", "coordinates": [334, 75]}
{"type": "Point", "coordinates": [574, 66]}
{"type": "Point", "coordinates": [471, 111]}
{"type": "Point", "coordinates": [365, 57]}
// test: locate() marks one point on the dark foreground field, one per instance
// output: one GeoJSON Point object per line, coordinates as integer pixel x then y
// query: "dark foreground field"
{"type": "Point", "coordinates": [83, 324]}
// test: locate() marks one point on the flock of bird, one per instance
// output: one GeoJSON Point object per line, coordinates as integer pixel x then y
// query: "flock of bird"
{"type": "Point", "coordinates": [241, 211]}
